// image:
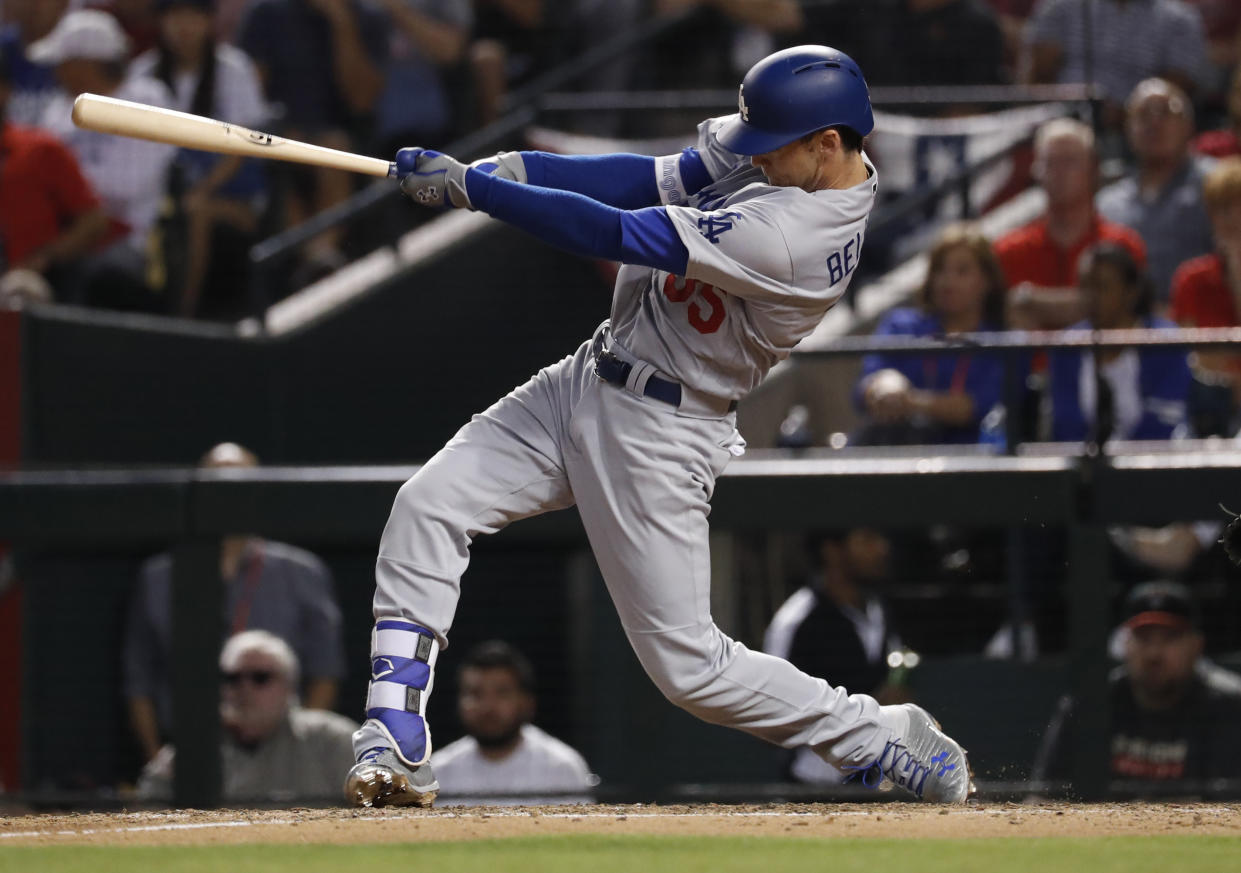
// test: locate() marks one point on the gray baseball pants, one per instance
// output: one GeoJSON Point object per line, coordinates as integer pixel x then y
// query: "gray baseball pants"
{"type": "Point", "coordinates": [641, 475]}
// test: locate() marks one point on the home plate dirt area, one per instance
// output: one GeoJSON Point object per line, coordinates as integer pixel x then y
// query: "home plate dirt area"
{"type": "Point", "coordinates": [369, 826]}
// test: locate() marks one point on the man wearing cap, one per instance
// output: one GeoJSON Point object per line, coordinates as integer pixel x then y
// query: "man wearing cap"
{"type": "Point", "coordinates": [1174, 715]}
{"type": "Point", "coordinates": [49, 215]}
{"type": "Point", "coordinates": [89, 52]}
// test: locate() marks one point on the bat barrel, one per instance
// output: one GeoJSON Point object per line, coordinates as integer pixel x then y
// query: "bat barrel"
{"type": "Point", "coordinates": [126, 118]}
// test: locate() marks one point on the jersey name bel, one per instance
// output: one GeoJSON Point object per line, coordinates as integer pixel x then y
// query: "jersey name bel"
{"type": "Point", "coordinates": [841, 264]}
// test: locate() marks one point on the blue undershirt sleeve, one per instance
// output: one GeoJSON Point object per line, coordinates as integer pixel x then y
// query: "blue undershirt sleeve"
{"type": "Point", "coordinates": [693, 171]}
{"type": "Point", "coordinates": [648, 237]}
{"type": "Point", "coordinates": [578, 224]}
{"type": "Point", "coordinates": [622, 180]}
{"type": "Point", "coordinates": [626, 181]}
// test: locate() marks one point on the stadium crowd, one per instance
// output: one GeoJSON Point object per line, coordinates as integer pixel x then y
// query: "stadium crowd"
{"type": "Point", "coordinates": [132, 225]}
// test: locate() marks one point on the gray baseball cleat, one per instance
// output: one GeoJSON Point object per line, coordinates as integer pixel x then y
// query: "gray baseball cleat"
{"type": "Point", "coordinates": [923, 760]}
{"type": "Point", "coordinates": [382, 779]}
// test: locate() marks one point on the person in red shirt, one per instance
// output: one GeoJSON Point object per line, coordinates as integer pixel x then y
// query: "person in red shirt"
{"type": "Point", "coordinates": [49, 215]}
{"type": "Point", "coordinates": [1206, 291]}
{"type": "Point", "coordinates": [1040, 259]}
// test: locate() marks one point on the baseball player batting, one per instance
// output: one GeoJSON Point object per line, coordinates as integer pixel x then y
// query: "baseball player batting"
{"type": "Point", "coordinates": [732, 252]}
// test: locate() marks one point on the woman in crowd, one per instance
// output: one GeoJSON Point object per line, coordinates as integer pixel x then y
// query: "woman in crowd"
{"type": "Point", "coordinates": [938, 398]}
{"type": "Point", "coordinates": [221, 197]}
{"type": "Point", "coordinates": [1206, 292]}
{"type": "Point", "coordinates": [1117, 393]}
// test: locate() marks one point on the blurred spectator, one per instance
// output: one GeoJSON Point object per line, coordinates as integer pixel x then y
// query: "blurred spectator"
{"type": "Point", "coordinates": [937, 42]}
{"type": "Point", "coordinates": [939, 398]}
{"type": "Point", "coordinates": [589, 25]}
{"type": "Point", "coordinates": [33, 84]}
{"type": "Point", "coordinates": [427, 38]}
{"type": "Point", "coordinates": [508, 47]}
{"type": "Point", "coordinates": [1221, 20]}
{"type": "Point", "coordinates": [322, 63]}
{"type": "Point", "coordinates": [273, 750]}
{"type": "Point", "coordinates": [1206, 292]}
{"type": "Point", "coordinates": [715, 44]}
{"type": "Point", "coordinates": [89, 53]}
{"type": "Point", "coordinates": [229, 15]}
{"type": "Point", "coordinates": [1172, 549]}
{"type": "Point", "coordinates": [836, 626]}
{"type": "Point", "coordinates": [49, 216]}
{"type": "Point", "coordinates": [1137, 393]}
{"type": "Point", "coordinates": [268, 586]}
{"type": "Point", "coordinates": [1173, 715]}
{"type": "Point", "coordinates": [502, 752]}
{"type": "Point", "coordinates": [1162, 198]}
{"type": "Point", "coordinates": [221, 196]}
{"type": "Point", "coordinates": [1130, 40]}
{"type": "Point", "coordinates": [847, 25]}
{"type": "Point", "coordinates": [1040, 259]}
{"type": "Point", "coordinates": [138, 18]}
{"type": "Point", "coordinates": [1225, 143]}
{"type": "Point", "coordinates": [1012, 15]}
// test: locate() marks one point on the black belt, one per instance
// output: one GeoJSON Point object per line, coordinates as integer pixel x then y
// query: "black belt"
{"type": "Point", "coordinates": [610, 368]}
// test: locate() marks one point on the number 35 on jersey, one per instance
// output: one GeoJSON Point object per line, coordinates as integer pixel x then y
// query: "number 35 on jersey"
{"type": "Point", "coordinates": [706, 309]}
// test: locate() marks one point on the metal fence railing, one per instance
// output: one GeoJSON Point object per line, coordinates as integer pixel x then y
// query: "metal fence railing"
{"type": "Point", "coordinates": [194, 508]}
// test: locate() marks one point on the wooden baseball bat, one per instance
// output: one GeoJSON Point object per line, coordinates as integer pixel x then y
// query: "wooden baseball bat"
{"type": "Point", "coordinates": [126, 118]}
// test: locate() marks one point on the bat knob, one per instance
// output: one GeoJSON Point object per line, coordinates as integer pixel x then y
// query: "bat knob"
{"type": "Point", "coordinates": [406, 159]}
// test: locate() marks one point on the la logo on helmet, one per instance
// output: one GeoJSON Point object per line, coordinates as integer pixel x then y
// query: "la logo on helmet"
{"type": "Point", "coordinates": [741, 107]}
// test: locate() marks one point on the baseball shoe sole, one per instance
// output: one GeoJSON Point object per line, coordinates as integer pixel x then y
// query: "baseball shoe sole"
{"type": "Point", "coordinates": [383, 780]}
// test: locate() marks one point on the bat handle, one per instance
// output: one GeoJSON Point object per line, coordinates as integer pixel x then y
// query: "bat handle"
{"type": "Point", "coordinates": [392, 174]}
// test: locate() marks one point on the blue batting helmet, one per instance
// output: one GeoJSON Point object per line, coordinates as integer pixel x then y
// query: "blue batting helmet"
{"type": "Point", "coordinates": [795, 92]}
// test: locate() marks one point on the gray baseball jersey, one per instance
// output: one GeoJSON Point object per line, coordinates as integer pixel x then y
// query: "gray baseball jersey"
{"type": "Point", "coordinates": [765, 264]}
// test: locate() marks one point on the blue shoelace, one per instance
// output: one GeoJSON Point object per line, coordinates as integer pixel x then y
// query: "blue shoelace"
{"type": "Point", "coordinates": [876, 770]}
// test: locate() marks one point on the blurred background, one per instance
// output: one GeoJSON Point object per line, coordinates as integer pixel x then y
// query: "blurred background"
{"type": "Point", "coordinates": [215, 373]}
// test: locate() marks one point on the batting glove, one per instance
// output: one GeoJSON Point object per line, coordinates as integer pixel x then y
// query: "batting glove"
{"type": "Point", "coordinates": [426, 175]}
{"type": "Point", "coordinates": [432, 178]}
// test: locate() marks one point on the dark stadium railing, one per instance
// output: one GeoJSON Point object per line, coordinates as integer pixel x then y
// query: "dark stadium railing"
{"type": "Point", "coordinates": [194, 508]}
{"type": "Point", "coordinates": [887, 97]}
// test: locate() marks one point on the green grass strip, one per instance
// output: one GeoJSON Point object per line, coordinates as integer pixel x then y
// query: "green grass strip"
{"type": "Point", "coordinates": [645, 854]}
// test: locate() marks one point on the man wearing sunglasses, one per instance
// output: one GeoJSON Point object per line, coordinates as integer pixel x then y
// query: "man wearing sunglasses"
{"type": "Point", "coordinates": [273, 749]}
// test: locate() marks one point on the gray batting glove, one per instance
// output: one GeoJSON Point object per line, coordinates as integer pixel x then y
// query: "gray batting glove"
{"type": "Point", "coordinates": [431, 178]}
{"type": "Point", "coordinates": [427, 176]}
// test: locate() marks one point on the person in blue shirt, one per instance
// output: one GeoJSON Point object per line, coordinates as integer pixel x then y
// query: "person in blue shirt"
{"type": "Point", "coordinates": [940, 398]}
{"type": "Point", "coordinates": [1134, 393]}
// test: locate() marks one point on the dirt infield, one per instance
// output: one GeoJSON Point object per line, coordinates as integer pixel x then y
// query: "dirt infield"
{"type": "Point", "coordinates": [347, 827]}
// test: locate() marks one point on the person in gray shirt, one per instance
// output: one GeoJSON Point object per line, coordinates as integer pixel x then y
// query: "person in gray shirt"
{"type": "Point", "coordinates": [273, 750]}
{"type": "Point", "coordinates": [1114, 44]}
{"type": "Point", "coordinates": [268, 585]}
{"type": "Point", "coordinates": [1162, 198]}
